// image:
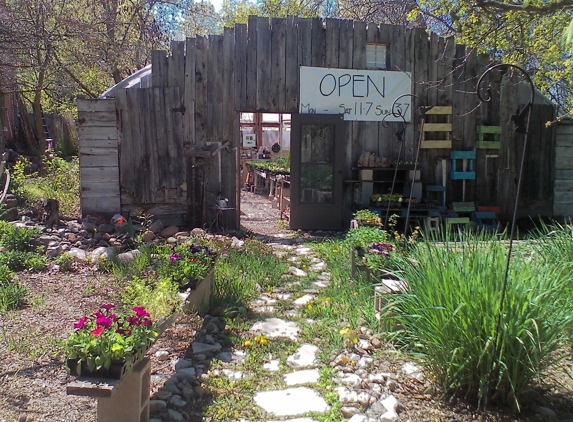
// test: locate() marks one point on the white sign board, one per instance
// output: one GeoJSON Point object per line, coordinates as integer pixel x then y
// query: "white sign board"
{"type": "Point", "coordinates": [363, 95]}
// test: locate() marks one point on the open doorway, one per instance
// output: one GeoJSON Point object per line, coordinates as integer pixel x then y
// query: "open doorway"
{"type": "Point", "coordinates": [264, 172]}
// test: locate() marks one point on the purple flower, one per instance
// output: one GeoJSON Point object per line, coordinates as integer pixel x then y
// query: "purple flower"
{"type": "Point", "coordinates": [174, 257]}
{"type": "Point", "coordinates": [140, 311]}
{"type": "Point", "coordinates": [107, 306]}
{"type": "Point", "coordinates": [80, 324]}
{"type": "Point", "coordinates": [104, 321]}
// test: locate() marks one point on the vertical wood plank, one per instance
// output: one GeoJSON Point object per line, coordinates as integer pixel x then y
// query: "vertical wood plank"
{"type": "Point", "coordinates": [346, 44]}
{"type": "Point", "coordinates": [214, 88]}
{"type": "Point", "coordinates": [332, 42]}
{"type": "Point", "coordinates": [304, 41]}
{"type": "Point", "coordinates": [292, 66]}
{"type": "Point", "coordinates": [398, 48]}
{"type": "Point", "coordinates": [318, 43]}
{"type": "Point", "coordinates": [176, 66]}
{"type": "Point", "coordinates": [263, 64]}
{"type": "Point", "coordinates": [277, 88]}
{"type": "Point", "coordinates": [201, 49]}
{"type": "Point", "coordinates": [189, 99]}
{"type": "Point", "coordinates": [159, 72]}
{"type": "Point", "coordinates": [251, 97]}
{"type": "Point", "coordinates": [372, 33]}
{"type": "Point", "coordinates": [228, 89]}
{"type": "Point", "coordinates": [240, 67]}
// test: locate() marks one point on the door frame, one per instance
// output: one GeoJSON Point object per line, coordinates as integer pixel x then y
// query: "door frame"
{"type": "Point", "coordinates": [317, 216]}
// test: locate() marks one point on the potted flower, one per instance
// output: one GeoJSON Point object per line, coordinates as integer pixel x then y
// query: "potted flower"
{"type": "Point", "coordinates": [187, 266]}
{"type": "Point", "coordinates": [106, 344]}
{"type": "Point", "coordinates": [367, 218]}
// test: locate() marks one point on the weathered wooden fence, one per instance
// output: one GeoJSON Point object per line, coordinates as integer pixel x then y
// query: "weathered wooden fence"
{"type": "Point", "coordinates": [178, 141]}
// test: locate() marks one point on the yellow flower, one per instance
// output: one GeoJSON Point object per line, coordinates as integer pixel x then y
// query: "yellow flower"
{"type": "Point", "coordinates": [309, 306]}
{"type": "Point", "coordinates": [247, 343]}
{"type": "Point", "coordinates": [240, 271]}
{"type": "Point", "coordinates": [335, 251]}
{"type": "Point", "coordinates": [257, 338]}
{"type": "Point", "coordinates": [344, 331]}
{"type": "Point", "coordinates": [355, 293]}
{"type": "Point", "coordinates": [263, 341]}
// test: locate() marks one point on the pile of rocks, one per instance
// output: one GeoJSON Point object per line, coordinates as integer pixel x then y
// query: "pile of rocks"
{"type": "Point", "coordinates": [89, 239]}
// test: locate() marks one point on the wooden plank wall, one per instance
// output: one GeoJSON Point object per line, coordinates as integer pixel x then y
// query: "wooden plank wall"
{"type": "Point", "coordinates": [563, 185]}
{"type": "Point", "coordinates": [99, 163]}
{"type": "Point", "coordinates": [255, 67]}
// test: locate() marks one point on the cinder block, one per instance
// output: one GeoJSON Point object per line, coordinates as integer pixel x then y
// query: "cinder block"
{"type": "Point", "coordinates": [129, 401]}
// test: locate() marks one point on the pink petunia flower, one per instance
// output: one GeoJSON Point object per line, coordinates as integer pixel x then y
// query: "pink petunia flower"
{"type": "Point", "coordinates": [104, 321]}
{"type": "Point", "coordinates": [133, 320]}
{"type": "Point", "coordinates": [107, 306]}
{"type": "Point", "coordinates": [97, 331]}
{"type": "Point", "coordinates": [175, 257]}
{"type": "Point", "coordinates": [80, 324]}
{"type": "Point", "coordinates": [140, 311]}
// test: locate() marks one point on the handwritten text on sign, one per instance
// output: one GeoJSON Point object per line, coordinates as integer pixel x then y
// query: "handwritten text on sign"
{"type": "Point", "coordinates": [364, 95]}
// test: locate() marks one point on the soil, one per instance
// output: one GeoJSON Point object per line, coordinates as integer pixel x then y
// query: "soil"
{"type": "Point", "coordinates": [33, 379]}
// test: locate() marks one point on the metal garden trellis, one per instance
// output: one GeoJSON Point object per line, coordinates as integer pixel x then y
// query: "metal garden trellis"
{"type": "Point", "coordinates": [521, 121]}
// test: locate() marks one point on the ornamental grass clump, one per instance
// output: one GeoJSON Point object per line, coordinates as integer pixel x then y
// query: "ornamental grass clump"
{"type": "Point", "coordinates": [450, 316]}
{"type": "Point", "coordinates": [105, 337]}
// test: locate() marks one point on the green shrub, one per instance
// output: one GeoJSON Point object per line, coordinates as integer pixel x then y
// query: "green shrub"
{"type": "Point", "coordinates": [158, 296]}
{"type": "Point", "coordinates": [60, 180]}
{"type": "Point", "coordinates": [364, 235]}
{"type": "Point", "coordinates": [17, 260]}
{"type": "Point", "coordinates": [17, 238]}
{"type": "Point", "coordinates": [64, 261]}
{"type": "Point", "coordinates": [450, 316]}
{"type": "Point", "coordinates": [12, 295]}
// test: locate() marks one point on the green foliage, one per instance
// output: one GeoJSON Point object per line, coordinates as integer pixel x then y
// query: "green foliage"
{"type": "Point", "coordinates": [64, 261]}
{"type": "Point", "coordinates": [60, 181]}
{"type": "Point", "coordinates": [158, 296]}
{"type": "Point", "coordinates": [187, 264]}
{"type": "Point", "coordinates": [367, 217]}
{"type": "Point", "coordinates": [450, 315]}
{"type": "Point", "coordinates": [278, 167]}
{"type": "Point", "coordinates": [17, 238]}
{"type": "Point", "coordinates": [12, 294]}
{"type": "Point", "coordinates": [364, 235]}
{"type": "Point", "coordinates": [104, 337]}
{"type": "Point", "coordinates": [17, 260]}
{"type": "Point", "coordinates": [240, 272]}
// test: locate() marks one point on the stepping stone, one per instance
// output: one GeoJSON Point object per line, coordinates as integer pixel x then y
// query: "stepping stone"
{"type": "Point", "coordinates": [297, 272]}
{"type": "Point", "coordinates": [321, 284]}
{"type": "Point", "coordinates": [324, 276]}
{"type": "Point", "coordinates": [264, 310]}
{"type": "Point", "coordinates": [263, 300]}
{"type": "Point", "coordinates": [304, 300]}
{"type": "Point", "coordinates": [272, 365]}
{"type": "Point", "coordinates": [283, 296]}
{"type": "Point", "coordinates": [304, 356]}
{"type": "Point", "coordinates": [318, 267]}
{"type": "Point", "coordinates": [297, 420]}
{"type": "Point", "coordinates": [276, 327]}
{"type": "Point", "coordinates": [303, 251]}
{"type": "Point", "coordinates": [306, 376]}
{"type": "Point", "coordinates": [291, 402]}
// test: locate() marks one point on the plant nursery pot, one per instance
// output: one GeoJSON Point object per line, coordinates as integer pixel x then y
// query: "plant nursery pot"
{"type": "Point", "coordinates": [115, 371]}
{"type": "Point", "coordinates": [198, 298]}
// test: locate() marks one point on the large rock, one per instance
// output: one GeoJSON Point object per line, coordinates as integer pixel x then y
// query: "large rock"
{"type": "Point", "coordinates": [169, 231]}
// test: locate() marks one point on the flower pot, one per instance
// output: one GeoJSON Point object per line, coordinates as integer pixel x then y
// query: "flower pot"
{"type": "Point", "coordinates": [115, 371]}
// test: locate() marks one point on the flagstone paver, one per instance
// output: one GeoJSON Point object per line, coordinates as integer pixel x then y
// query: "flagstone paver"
{"type": "Point", "coordinates": [276, 327]}
{"type": "Point", "coordinates": [306, 376]}
{"type": "Point", "coordinates": [291, 402]}
{"type": "Point", "coordinates": [304, 356]}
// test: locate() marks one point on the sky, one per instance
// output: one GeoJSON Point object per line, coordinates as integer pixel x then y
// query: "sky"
{"type": "Point", "coordinates": [217, 4]}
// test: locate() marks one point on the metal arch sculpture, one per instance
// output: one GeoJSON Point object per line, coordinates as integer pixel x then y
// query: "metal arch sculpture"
{"type": "Point", "coordinates": [521, 120]}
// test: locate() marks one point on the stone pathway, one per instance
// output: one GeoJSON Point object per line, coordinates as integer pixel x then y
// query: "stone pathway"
{"type": "Point", "coordinates": [364, 392]}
